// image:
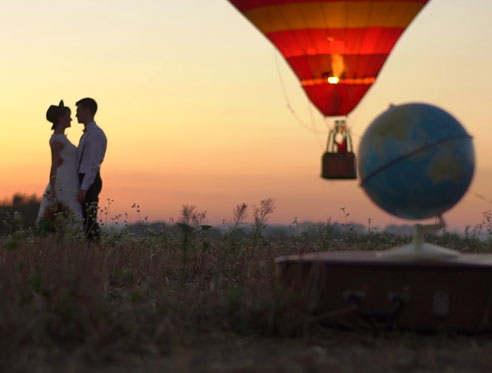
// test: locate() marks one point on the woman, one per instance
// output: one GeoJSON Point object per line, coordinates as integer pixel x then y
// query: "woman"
{"type": "Point", "coordinates": [63, 184]}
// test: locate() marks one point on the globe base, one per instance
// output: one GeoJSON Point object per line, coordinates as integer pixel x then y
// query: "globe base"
{"type": "Point", "coordinates": [423, 251]}
{"type": "Point", "coordinates": [418, 249]}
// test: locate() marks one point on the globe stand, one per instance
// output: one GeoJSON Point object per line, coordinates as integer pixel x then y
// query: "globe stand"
{"type": "Point", "coordinates": [418, 249]}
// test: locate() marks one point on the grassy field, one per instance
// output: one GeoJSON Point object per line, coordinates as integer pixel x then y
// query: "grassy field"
{"type": "Point", "coordinates": [189, 297]}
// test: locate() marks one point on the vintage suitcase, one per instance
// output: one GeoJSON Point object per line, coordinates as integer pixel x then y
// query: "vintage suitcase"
{"type": "Point", "coordinates": [361, 288]}
{"type": "Point", "coordinates": [338, 166]}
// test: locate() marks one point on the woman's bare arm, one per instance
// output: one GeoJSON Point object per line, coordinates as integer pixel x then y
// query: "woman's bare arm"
{"type": "Point", "coordinates": [56, 161]}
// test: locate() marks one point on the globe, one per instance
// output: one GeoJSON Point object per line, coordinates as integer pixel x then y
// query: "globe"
{"type": "Point", "coordinates": [416, 161]}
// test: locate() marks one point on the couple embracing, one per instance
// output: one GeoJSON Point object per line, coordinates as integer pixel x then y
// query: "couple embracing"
{"type": "Point", "coordinates": [75, 181]}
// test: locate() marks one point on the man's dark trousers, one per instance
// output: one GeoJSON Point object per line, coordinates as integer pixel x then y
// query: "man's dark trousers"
{"type": "Point", "coordinates": [90, 207]}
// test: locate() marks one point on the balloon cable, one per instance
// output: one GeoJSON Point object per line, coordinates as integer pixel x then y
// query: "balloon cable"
{"type": "Point", "coordinates": [482, 197]}
{"type": "Point", "coordinates": [311, 128]}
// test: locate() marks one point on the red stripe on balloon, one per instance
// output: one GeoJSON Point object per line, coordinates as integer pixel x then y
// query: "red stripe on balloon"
{"type": "Point", "coordinates": [322, 66]}
{"type": "Point", "coordinates": [336, 99]}
{"type": "Point", "coordinates": [374, 40]}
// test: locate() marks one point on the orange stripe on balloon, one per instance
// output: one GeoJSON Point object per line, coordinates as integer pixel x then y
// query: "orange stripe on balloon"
{"type": "Point", "coordinates": [245, 5]}
{"type": "Point", "coordinates": [341, 14]}
{"type": "Point", "coordinates": [335, 80]}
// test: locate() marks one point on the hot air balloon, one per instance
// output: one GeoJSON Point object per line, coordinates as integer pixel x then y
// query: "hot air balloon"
{"type": "Point", "coordinates": [336, 48]}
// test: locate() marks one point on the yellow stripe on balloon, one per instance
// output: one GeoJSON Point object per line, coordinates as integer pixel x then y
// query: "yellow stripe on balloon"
{"type": "Point", "coordinates": [340, 14]}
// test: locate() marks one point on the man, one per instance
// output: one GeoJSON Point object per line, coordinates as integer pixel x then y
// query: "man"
{"type": "Point", "coordinates": [91, 151]}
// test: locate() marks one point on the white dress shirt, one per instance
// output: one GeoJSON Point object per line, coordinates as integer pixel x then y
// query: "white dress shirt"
{"type": "Point", "coordinates": [91, 151]}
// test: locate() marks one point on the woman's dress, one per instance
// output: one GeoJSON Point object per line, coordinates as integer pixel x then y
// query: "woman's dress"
{"type": "Point", "coordinates": [67, 182]}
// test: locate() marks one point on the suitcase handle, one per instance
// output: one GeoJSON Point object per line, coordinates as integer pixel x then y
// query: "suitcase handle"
{"type": "Point", "coordinates": [397, 300]}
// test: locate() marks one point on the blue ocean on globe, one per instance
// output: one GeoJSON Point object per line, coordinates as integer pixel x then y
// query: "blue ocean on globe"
{"type": "Point", "coordinates": [416, 161]}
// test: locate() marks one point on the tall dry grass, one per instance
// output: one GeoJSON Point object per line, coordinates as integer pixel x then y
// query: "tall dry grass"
{"type": "Point", "coordinates": [134, 294]}
{"type": "Point", "coordinates": [148, 294]}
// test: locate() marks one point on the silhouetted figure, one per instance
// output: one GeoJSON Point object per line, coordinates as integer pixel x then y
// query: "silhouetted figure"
{"type": "Point", "coordinates": [63, 184]}
{"type": "Point", "coordinates": [91, 151]}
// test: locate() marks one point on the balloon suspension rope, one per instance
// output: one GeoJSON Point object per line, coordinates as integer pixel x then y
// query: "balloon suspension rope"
{"type": "Point", "coordinates": [482, 197]}
{"type": "Point", "coordinates": [311, 128]}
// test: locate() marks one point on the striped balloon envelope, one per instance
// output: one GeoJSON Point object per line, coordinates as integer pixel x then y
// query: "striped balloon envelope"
{"type": "Point", "coordinates": [336, 48]}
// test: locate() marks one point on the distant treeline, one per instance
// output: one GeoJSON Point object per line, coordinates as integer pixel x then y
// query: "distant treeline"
{"type": "Point", "coordinates": [20, 212]}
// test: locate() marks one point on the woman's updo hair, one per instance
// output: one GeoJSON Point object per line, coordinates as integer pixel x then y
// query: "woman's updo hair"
{"type": "Point", "coordinates": [54, 112]}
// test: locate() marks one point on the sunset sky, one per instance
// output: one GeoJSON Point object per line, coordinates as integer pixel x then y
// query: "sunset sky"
{"type": "Point", "coordinates": [190, 97]}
